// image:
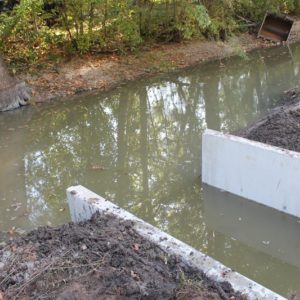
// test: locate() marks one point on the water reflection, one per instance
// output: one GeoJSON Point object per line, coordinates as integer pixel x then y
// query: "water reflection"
{"type": "Point", "coordinates": [265, 231]}
{"type": "Point", "coordinates": [140, 146]}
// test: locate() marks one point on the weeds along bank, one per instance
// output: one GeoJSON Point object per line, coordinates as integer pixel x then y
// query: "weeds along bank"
{"type": "Point", "coordinates": [32, 31]}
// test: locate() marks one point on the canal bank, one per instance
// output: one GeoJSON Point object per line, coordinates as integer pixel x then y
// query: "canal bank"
{"type": "Point", "coordinates": [105, 72]}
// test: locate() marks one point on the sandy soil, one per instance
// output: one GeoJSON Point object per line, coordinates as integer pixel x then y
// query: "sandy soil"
{"type": "Point", "coordinates": [281, 127]}
{"type": "Point", "coordinates": [100, 259]}
{"type": "Point", "coordinates": [103, 72]}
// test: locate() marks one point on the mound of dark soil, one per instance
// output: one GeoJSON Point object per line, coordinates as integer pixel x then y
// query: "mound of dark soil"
{"type": "Point", "coordinates": [103, 258]}
{"type": "Point", "coordinates": [282, 127]}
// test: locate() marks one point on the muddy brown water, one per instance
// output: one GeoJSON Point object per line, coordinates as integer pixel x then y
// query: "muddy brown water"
{"type": "Point", "coordinates": [140, 146]}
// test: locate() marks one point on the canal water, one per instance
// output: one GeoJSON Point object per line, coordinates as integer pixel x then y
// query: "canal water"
{"type": "Point", "coordinates": [140, 147]}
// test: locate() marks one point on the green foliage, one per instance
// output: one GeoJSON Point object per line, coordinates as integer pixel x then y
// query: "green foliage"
{"type": "Point", "coordinates": [35, 28]}
{"type": "Point", "coordinates": [22, 31]}
{"type": "Point", "coordinates": [192, 20]}
{"type": "Point", "coordinates": [255, 9]}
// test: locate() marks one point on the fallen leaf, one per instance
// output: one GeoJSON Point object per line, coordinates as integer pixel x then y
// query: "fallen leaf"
{"type": "Point", "coordinates": [97, 167]}
{"type": "Point", "coordinates": [13, 248]}
{"type": "Point", "coordinates": [20, 231]}
{"type": "Point", "coordinates": [16, 206]}
{"type": "Point", "coordinates": [136, 247]}
{"type": "Point", "coordinates": [134, 275]}
{"type": "Point", "coordinates": [12, 231]}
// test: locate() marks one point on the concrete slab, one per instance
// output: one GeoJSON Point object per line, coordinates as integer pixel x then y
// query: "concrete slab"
{"type": "Point", "coordinates": [265, 174]}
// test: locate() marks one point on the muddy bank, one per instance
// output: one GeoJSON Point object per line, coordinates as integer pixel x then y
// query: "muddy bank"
{"type": "Point", "coordinates": [104, 72]}
{"type": "Point", "coordinates": [281, 127]}
{"type": "Point", "coordinates": [100, 259]}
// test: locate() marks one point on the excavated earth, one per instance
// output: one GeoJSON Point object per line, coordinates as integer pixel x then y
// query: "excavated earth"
{"type": "Point", "coordinates": [281, 127]}
{"type": "Point", "coordinates": [104, 258]}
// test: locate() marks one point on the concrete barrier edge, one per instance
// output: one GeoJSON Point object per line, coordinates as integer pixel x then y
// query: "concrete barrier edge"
{"type": "Point", "coordinates": [83, 203]}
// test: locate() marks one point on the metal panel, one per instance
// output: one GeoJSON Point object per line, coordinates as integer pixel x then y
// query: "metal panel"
{"type": "Point", "coordinates": [276, 27]}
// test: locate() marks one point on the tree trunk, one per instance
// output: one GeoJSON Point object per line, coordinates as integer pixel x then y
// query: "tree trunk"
{"type": "Point", "coordinates": [13, 94]}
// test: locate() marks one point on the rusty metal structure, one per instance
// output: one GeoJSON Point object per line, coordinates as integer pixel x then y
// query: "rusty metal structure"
{"type": "Point", "coordinates": [276, 27]}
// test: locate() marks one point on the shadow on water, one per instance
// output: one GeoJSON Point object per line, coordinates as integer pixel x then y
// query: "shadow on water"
{"type": "Point", "coordinates": [140, 146]}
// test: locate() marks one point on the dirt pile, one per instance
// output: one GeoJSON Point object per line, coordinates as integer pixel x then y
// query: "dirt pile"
{"type": "Point", "coordinates": [281, 127]}
{"type": "Point", "coordinates": [103, 258]}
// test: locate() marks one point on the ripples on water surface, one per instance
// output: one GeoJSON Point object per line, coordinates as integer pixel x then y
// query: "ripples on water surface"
{"type": "Point", "coordinates": [140, 146]}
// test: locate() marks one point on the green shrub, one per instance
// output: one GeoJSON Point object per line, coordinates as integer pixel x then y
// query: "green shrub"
{"type": "Point", "coordinates": [32, 30]}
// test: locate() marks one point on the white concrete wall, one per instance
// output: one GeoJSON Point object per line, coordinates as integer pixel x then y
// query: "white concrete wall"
{"type": "Point", "coordinates": [83, 203]}
{"type": "Point", "coordinates": [259, 172]}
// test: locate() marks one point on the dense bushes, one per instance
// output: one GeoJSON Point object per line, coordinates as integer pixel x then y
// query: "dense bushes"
{"type": "Point", "coordinates": [34, 28]}
{"type": "Point", "coordinates": [255, 9]}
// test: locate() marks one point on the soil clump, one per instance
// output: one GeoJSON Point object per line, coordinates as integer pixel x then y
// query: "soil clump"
{"type": "Point", "coordinates": [281, 127]}
{"type": "Point", "coordinates": [104, 258]}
